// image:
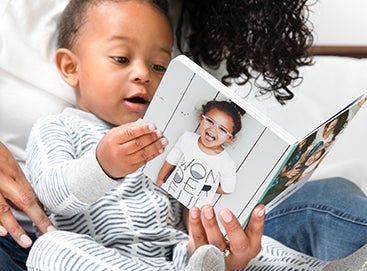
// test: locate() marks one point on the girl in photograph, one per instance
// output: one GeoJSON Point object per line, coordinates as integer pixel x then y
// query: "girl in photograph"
{"type": "Point", "coordinates": [198, 166]}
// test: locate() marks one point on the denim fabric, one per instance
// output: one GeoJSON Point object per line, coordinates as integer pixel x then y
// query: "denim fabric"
{"type": "Point", "coordinates": [12, 256]}
{"type": "Point", "coordinates": [326, 219]}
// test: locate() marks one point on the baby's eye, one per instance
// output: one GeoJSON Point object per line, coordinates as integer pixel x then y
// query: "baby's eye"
{"type": "Point", "coordinates": [159, 68]}
{"type": "Point", "coordinates": [121, 59]}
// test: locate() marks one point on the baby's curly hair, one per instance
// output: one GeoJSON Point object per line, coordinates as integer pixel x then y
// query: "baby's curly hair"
{"type": "Point", "coordinates": [267, 38]}
{"type": "Point", "coordinates": [75, 13]}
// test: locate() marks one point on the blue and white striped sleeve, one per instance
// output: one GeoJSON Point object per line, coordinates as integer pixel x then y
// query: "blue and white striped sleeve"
{"type": "Point", "coordinates": [65, 177]}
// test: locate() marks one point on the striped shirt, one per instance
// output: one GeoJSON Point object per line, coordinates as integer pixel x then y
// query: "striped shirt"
{"type": "Point", "coordinates": [131, 215]}
{"type": "Point", "coordinates": [128, 224]}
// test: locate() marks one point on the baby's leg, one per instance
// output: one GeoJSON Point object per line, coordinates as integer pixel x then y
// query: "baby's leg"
{"type": "Point", "coordinates": [206, 258]}
{"type": "Point", "coordinates": [275, 256]}
{"type": "Point", "coordinates": [70, 251]}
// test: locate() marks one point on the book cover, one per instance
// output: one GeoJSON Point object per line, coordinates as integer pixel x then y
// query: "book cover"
{"type": "Point", "coordinates": [223, 151]}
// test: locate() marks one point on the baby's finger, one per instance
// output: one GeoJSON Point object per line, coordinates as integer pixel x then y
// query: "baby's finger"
{"type": "Point", "coordinates": [147, 152]}
{"type": "Point", "coordinates": [127, 132]}
{"type": "Point", "coordinates": [147, 145]}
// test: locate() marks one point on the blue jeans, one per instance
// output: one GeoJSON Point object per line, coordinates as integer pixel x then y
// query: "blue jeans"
{"type": "Point", "coordinates": [12, 256]}
{"type": "Point", "coordinates": [326, 219]}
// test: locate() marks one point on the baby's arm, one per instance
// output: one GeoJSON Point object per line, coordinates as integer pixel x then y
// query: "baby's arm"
{"type": "Point", "coordinates": [65, 182]}
{"type": "Point", "coordinates": [126, 148]}
{"type": "Point", "coordinates": [52, 160]}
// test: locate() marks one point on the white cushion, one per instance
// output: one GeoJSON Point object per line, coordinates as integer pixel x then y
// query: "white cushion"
{"type": "Point", "coordinates": [30, 86]}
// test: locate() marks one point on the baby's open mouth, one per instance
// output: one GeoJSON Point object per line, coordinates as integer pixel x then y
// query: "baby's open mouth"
{"type": "Point", "coordinates": [139, 100]}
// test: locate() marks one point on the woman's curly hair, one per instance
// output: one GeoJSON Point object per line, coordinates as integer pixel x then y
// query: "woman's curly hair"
{"type": "Point", "coordinates": [267, 38]}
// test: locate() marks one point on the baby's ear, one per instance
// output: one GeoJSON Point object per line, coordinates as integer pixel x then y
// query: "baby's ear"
{"type": "Point", "coordinates": [67, 64]}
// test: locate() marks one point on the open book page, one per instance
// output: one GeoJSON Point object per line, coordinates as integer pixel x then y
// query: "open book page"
{"type": "Point", "coordinates": [211, 159]}
{"type": "Point", "coordinates": [308, 155]}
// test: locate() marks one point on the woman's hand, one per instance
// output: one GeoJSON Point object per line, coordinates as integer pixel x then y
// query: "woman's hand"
{"type": "Point", "coordinates": [16, 190]}
{"type": "Point", "coordinates": [242, 245]}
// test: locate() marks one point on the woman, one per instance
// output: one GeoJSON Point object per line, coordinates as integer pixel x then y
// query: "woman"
{"type": "Point", "coordinates": [252, 24]}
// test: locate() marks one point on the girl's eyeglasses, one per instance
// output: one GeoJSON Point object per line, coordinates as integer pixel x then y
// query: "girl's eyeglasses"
{"type": "Point", "coordinates": [222, 131]}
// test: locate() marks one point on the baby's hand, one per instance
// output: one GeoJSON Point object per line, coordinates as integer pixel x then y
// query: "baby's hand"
{"type": "Point", "coordinates": [127, 147]}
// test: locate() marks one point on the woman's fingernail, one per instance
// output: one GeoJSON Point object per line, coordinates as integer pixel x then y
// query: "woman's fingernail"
{"type": "Point", "coordinates": [158, 133]}
{"type": "Point", "coordinates": [51, 228]}
{"type": "Point", "coordinates": [3, 231]}
{"type": "Point", "coordinates": [26, 240]}
{"type": "Point", "coordinates": [261, 212]}
{"type": "Point", "coordinates": [208, 212]}
{"type": "Point", "coordinates": [164, 141]}
{"type": "Point", "coordinates": [195, 213]}
{"type": "Point", "coordinates": [226, 215]}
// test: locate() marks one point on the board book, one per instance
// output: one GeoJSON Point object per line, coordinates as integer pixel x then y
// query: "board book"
{"type": "Point", "coordinates": [267, 161]}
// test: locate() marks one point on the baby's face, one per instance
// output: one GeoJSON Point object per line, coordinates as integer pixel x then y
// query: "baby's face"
{"type": "Point", "coordinates": [215, 128]}
{"type": "Point", "coordinates": [122, 54]}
